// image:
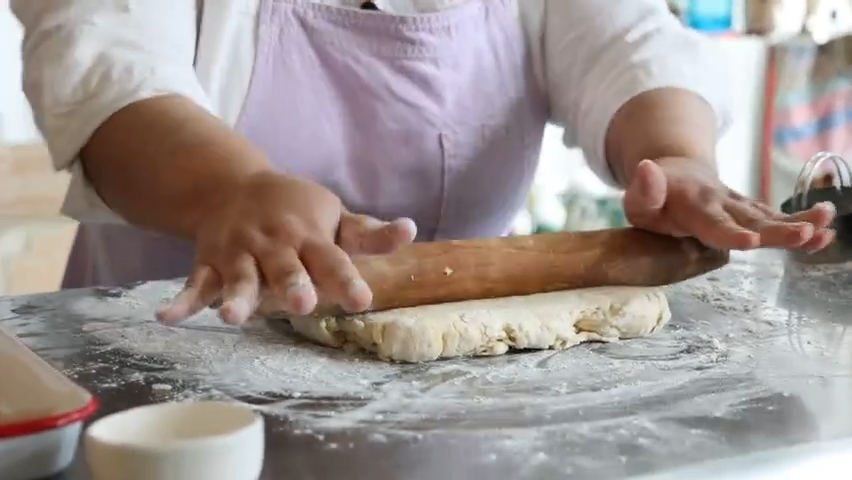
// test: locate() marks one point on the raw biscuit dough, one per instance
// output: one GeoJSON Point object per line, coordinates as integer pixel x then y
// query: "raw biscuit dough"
{"type": "Point", "coordinates": [555, 320]}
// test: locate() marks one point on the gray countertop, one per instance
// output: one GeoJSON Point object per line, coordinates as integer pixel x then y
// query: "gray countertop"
{"type": "Point", "coordinates": [754, 359]}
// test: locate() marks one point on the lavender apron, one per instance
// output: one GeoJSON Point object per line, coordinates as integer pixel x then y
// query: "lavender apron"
{"type": "Point", "coordinates": [435, 116]}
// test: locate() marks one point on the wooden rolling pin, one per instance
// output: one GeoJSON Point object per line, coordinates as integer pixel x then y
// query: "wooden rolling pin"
{"type": "Point", "coordinates": [453, 271]}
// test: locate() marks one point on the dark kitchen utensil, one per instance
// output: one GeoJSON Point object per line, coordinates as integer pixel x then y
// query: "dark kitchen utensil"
{"type": "Point", "coordinates": [803, 198]}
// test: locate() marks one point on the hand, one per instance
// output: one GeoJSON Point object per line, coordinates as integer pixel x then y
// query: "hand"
{"type": "Point", "coordinates": [291, 236]}
{"type": "Point", "coordinates": [682, 197]}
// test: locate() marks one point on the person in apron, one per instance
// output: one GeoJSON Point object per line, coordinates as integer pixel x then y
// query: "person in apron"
{"type": "Point", "coordinates": [254, 145]}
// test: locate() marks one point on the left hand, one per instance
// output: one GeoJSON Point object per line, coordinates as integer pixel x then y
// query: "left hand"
{"type": "Point", "coordinates": [685, 198]}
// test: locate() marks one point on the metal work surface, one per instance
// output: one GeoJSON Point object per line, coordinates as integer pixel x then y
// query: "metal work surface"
{"type": "Point", "coordinates": [754, 359]}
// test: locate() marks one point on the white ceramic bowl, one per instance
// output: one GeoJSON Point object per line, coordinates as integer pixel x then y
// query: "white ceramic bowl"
{"type": "Point", "coordinates": [177, 441]}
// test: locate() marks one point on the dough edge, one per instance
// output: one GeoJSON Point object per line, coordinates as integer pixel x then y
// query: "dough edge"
{"type": "Point", "coordinates": [556, 320]}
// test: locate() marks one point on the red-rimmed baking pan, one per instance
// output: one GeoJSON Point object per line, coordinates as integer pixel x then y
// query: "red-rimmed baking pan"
{"type": "Point", "coordinates": [41, 414]}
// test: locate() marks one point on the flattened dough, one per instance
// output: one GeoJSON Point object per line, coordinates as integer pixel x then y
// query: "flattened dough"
{"type": "Point", "coordinates": [555, 320]}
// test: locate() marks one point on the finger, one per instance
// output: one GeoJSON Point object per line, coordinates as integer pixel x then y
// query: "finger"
{"type": "Point", "coordinates": [202, 288]}
{"type": "Point", "coordinates": [820, 215]}
{"type": "Point", "coordinates": [362, 234]}
{"type": "Point", "coordinates": [714, 226]}
{"type": "Point", "coordinates": [387, 239]}
{"type": "Point", "coordinates": [775, 231]}
{"type": "Point", "coordinates": [241, 291]}
{"type": "Point", "coordinates": [287, 279]}
{"type": "Point", "coordinates": [645, 200]}
{"type": "Point", "coordinates": [779, 234]}
{"type": "Point", "coordinates": [646, 195]}
{"type": "Point", "coordinates": [820, 240]}
{"type": "Point", "coordinates": [335, 276]}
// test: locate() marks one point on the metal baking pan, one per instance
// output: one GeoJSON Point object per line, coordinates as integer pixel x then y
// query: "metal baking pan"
{"type": "Point", "coordinates": [806, 196]}
{"type": "Point", "coordinates": [41, 414]}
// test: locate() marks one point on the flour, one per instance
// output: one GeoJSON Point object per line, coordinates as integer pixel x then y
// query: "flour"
{"type": "Point", "coordinates": [266, 365]}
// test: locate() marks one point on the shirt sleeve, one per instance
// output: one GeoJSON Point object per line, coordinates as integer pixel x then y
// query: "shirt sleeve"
{"type": "Point", "coordinates": [598, 55]}
{"type": "Point", "coordinates": [86, 59]}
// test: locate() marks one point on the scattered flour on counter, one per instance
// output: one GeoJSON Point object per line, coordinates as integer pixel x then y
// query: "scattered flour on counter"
{"type": "Point", "coordinates": [266, 365]}
{"type": "Point", "coordinates": [726, 351]}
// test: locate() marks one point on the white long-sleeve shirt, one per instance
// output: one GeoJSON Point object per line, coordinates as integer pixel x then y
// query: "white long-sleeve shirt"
{"type": "Point", "coordinates": [86, 59]}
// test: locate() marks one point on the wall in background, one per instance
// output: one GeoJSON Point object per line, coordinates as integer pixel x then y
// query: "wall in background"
{"type": "Point", "coordinates": [34, 238]}
{"type": "Point", "coordinates": [739, 151]}
{"type": "Point", "coordinates": [16, 123]}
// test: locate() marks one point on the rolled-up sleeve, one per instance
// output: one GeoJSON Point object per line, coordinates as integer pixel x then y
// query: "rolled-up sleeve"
{"type": "Point", "coordinates": [599, 55]}
{"type": "Point", "coordinates": [86, 59]}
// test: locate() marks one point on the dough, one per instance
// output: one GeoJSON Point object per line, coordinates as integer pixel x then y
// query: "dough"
{"type": "Point", "coordinates": [555, 320]}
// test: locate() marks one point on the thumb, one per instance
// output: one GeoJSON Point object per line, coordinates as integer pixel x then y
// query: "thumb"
{"type": "Point", "coordinates": [646, 195]}
{"type": "Point", "coordinates": [363, 234]}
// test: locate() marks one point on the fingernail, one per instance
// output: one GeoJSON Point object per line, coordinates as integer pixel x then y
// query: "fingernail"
{"type": "Point", "coordinates": [357, 287]}
{"type": "Point", "coordinates": [826, 205]}
{"type": "Point", "coordinates": [297, 285]}
{"type": "Point", "coordinates": [358, 291]}
{"type": "Point", "coordinates": [162, 314]}
{"type": "Point", "coordinates": [236, 311]}
{"type": "Point", "coordinates": [166, 313]}
{"type": "Point", "coordinates": [409, 225]}
{"type": "Point", "coordinates": [299, 296]}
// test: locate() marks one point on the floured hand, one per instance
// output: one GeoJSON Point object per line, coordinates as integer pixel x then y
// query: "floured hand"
{"type": "Point", "coordinates": [683, 197]}
{"type": "Point", "coordinates": [288, 237]}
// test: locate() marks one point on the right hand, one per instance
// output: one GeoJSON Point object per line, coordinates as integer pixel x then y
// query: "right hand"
{"type": "Point", "coordinates": [285, 237]}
